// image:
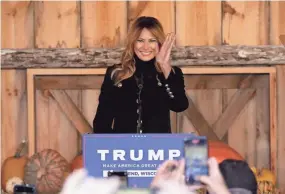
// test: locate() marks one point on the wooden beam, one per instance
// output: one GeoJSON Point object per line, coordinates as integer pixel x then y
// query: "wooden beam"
{"type": "Point", "coordinates": [227, 70]}
{"type": "Point", "coordinates": [225, 81]}
{"type": "Point", "coordinates": [273, 119]}
{"type": "Point", "coordinates": [71, 111]}
{"type": "Point", "coordinates": [280, 125]}
{"type": "Point", "coordinates": [69, 82]}
{"type": "Point", "coordinates": [235, 106]}
{"type": "Point", "coordinates": [31, 113]}
{"type": "Point", "coordinates": [220, 55]}
{"type": "Point", "coordinates": [199, 122]}
{"type": "Point", "coordinates": [191, 82]}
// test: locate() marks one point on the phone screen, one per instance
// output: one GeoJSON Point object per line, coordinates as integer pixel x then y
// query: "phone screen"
{"type": "Point", "coordinates": [196, 158]}
{"type": "Point", "coordinates": [123, 175]}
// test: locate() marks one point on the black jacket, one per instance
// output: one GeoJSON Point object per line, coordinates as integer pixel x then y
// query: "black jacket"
{"type": "Point", "coordinates": [118, 105]}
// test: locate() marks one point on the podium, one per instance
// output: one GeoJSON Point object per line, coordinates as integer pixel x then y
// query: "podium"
{"type": "Point", "coordinates": [138, 154]}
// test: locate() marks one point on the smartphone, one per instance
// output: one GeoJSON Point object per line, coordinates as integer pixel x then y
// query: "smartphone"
{"type": "Point", "coordinates": [123, 175]}
{"type": "Point", "coordinates": [196, 158]}
{"type": "Point", "coordinates": [24, 189]}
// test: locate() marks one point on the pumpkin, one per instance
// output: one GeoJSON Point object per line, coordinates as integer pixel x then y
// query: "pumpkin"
{"type": "Point", "coordinates": [222, 151]}
{"type": "Point", "coordinates": [13, 167]}
{"type": "Point", "coordinates": [47, 170]}
{"type": "Point", "coordinates": [77, 162]}
{"type": "Point", "coordinates": [266, 180]}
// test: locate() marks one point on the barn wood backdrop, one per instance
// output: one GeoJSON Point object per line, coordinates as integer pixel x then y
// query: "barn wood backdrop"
{"type": "Point", "coordinates": [33, 27]}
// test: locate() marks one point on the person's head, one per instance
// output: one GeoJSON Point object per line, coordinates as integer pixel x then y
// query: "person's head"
{"type": "Point", "coordinates": [144, 39]}
{"type": "Point", "coordinates": [237, 174]}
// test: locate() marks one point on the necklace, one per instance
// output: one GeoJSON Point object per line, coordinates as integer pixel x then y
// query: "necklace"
{"type": "Point", "coordinates": [139, 81]}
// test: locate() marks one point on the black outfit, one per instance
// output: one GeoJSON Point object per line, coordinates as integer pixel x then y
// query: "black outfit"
{"type": "Point", "coordinates": [119, 105]}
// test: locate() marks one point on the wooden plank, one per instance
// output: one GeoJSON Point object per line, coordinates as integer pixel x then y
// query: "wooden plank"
{"type": "Point", "coordinates": [245, 22]}
{"type": "Point", "coordinates": [262, 127]}
{"type": "Point", "coordinates": [13, 111]}
{"type": "Point", "coordinates": [250, 132]}
{"type": "Point", "coordinates": [43, 134]}
{"type": "Point", "coordinates": [280, 125]}
{"type": "Point", "coordinates": [273, 122]}
{"type": "Point", "coordinates": [68, 71]}
{"type": "Point", "coordinates": [198, 121]}
{"type": "Point", "coordinates": [198, 23]}
{"type": "Point", "coordinates": [69, 82]}
{"type": "Point", "coordinates": [71, 111]}
{"type": "Point", "coordinates": [17, 25]}
{"type": "Point", "coordinates": [225, 81]}
{"type": "Point", "coordinates": [31, 113]}
{"type": "Point", "coordinates": [104, 23]}
{"type": "Point", "coordinates": [237, 103]}
{"type": "Point", "coordinates": [277, 22]}
{"type": "Point", "coordinates": [191, 82]}
{"type": "Point", "coordinates": [227, 70]}
{"type": "Point", "coordinates": [57, 123]}
{"type": "Point", "coordinates": [90, 103]}
{"type": "Point", "coordinates": [63, 31]}
{"type": "Point", "coordinates": [17, 32]}
{"type": "Point", "coordinates": [236, 132]}
{"type": "Point", "coordinates": [241, 134]}
{"type": "Point", "coordinates": [225, 101]}
{"type": "Point", "coordinates": [277, 29]}
{"type": "Point", "coordinates": [69, 131]}
{"type": "Point", "coordinates": [162, 10]}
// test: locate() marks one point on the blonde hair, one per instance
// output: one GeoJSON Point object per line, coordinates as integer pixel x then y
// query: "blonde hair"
{"type": "Point", "coordinates": [127, 66]}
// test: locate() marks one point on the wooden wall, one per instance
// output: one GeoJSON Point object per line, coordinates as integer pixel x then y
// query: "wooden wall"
{"type": "Point", "coordinates": [86, 24]}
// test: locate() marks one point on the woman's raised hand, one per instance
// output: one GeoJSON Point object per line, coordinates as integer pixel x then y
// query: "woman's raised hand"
{"type": "Point", "coordinates": [163, 57]}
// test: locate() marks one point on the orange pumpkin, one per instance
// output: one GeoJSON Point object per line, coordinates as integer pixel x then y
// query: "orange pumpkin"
{"type": "Point", "coordinates": [47, 170]}
{"type": "Point", "coordinates": [222, 151]}
{"type": "Point", "coordinates": [77, 162]}
{"type": "Point", "coordinates": [13, 169]}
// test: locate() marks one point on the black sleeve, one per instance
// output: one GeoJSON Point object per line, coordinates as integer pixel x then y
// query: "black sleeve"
{"type": "Point", "coordinates": [103, 119]}
{"type": "Point", "coordinates": [175, 90]}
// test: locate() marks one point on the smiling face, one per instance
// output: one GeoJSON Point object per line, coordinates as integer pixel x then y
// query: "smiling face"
{"type": "Point", "coordinates": [146, 46]}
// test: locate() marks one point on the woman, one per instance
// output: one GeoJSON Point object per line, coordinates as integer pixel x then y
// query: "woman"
{"type": "Point", "coordinates": [138, 94]}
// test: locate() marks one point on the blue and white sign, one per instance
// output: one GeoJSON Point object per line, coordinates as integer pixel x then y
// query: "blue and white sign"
{"type": "Point", "coordinates": [139, 155]}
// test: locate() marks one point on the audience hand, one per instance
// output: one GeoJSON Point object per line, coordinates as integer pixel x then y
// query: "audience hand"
{"type": "Point", "coordinates": [171, 174]}
{"type": "Point", "coordinates": [80, 183]}
{"type": "Point", "coordinates": [169, 170]}
{"type": "Point", "coordinates": [214, 182]}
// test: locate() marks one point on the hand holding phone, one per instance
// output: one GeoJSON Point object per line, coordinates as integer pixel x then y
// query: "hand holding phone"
{"type": "Point", "coordinates": [196, 159]}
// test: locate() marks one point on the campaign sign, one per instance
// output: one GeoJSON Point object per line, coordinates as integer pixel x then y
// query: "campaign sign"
{"type": "Point", "coordinates": [138, 154]}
